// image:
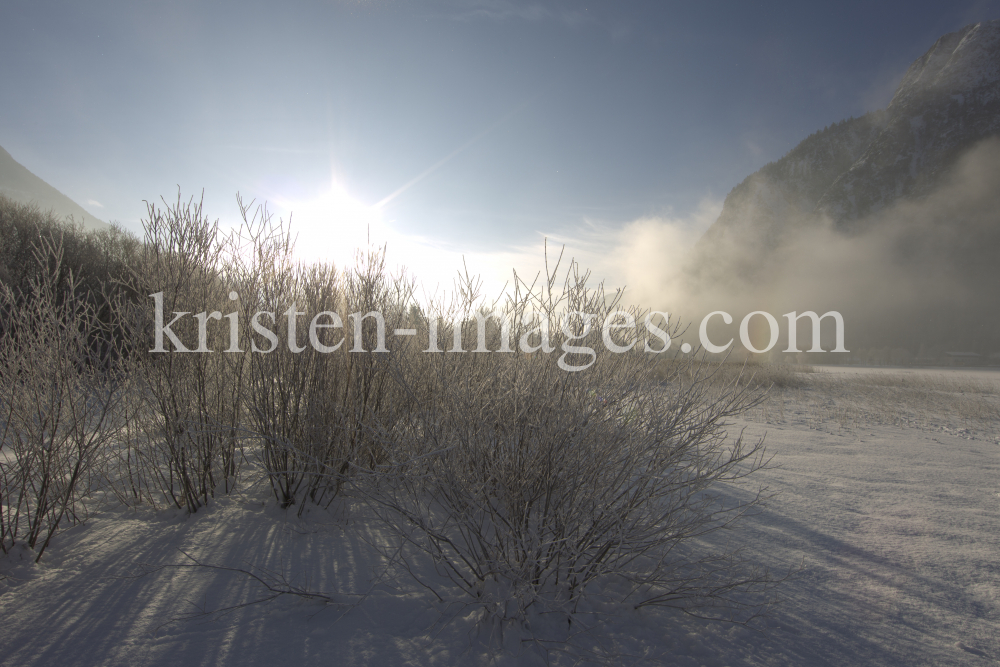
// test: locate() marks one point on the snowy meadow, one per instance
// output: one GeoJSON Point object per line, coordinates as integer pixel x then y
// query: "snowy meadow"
{"type": "Point", "coordinates": [885, 508]}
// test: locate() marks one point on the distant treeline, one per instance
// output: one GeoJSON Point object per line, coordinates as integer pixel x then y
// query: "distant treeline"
{"type": "Point", "coordinates": [100, 260]}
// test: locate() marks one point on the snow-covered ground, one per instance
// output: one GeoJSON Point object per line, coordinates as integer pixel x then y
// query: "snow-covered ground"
{"type": "Point", "coordinates": [888, 499]}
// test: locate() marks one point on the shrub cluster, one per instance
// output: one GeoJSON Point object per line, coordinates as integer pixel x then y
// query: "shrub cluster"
{"type": "Point", "coordinates": [527, 486]}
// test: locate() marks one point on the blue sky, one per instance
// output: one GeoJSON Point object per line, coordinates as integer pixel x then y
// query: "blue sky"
{"type": "Point", "coordinates": [480, 125]}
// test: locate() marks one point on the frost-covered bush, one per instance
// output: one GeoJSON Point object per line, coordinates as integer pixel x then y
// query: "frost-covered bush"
{"type": "Point", "coordinates": [311, 414]}
{"type": "Point", "coordinates": [213, 393]}
{"type": "Point", "coordinates": [61, 384]}
{"type": "Point", "coordinates": [182, 441]}
{"type": "Point", "coordinates": [532, 487]}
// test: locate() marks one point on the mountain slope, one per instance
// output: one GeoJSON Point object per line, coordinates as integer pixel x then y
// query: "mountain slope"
{"type": "Point", "coordinates": [892, 218]}
{"type": "Point", "coordinates": [19, 184]}
{"type": "Point", "coordinates": [793, 185]}
{"type": "Point", "coordinates": [948, 101]}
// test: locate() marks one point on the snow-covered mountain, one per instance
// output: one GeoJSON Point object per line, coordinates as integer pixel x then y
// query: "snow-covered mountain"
{"type": "Point", "coordinates": [893, 216]}
{"type": "Point", "coordinates": [768, 199]}
{"type": "Point", "coordinates": [948, 100]}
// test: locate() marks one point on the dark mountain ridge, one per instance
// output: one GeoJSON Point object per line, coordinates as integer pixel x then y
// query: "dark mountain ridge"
{"type": "Point", "coordinates": [893, 217]}
{"type": "Point", "coordinates": [947, 101]}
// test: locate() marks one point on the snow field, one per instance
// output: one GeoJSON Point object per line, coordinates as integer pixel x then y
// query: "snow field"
{"type": "Point", "coordinates": [887, 508]}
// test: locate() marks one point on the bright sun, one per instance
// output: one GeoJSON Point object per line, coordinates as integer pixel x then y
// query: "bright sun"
{"type": "Point", "coordinates": [332, 226]}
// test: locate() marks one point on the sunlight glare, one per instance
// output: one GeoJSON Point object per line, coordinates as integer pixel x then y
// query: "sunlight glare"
{"type": "Point", "coordinates": [332, 226]}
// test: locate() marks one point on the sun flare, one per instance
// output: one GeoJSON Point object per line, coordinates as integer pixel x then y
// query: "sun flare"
{"type": "Point", "coordinates": [334, 225]}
